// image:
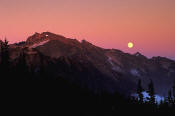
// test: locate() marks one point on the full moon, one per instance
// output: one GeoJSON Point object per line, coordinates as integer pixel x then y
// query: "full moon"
{"type": "Point", "coordinates": [130, 45]}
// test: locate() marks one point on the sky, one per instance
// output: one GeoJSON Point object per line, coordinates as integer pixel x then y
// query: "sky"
{"type": "Point", "coordinates": [149, 24]}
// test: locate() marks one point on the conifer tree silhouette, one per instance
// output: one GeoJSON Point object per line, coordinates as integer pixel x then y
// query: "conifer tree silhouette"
{"type": "Point", "coordinates": [5, 59]}
{"type": "Point", "coordinates": [169, 98]}
{"type": "Point", "coordinates": [174, 93]}
{"type": "Point", "coordinates": [22, 68]}
{"type": "Point", "coordinates": [139, 91]}
{"type": "Point", "coordinates": [151, 92]}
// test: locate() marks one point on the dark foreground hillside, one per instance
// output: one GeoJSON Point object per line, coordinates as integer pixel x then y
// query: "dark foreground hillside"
{"type": "Point", "coordinates": [54, 98]}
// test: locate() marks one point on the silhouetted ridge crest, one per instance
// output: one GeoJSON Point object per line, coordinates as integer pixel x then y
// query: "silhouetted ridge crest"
{"type": "Point", "coordinates": [121, 70]}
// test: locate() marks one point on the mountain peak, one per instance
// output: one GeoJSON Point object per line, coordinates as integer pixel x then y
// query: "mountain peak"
{"type": "Point", "coordinates": [84, 42]}
{"type": "Point", "coordinates": [40, 37]}
{"type": "Point", "coordinates": [47, 34]}
{"type": "Point", "coordinates": [35, 38]}
{"type": "Point", "coordinates": [138, 54]}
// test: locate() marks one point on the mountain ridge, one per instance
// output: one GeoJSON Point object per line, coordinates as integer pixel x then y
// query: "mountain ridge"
{"type": "Point", "coordinates": [43, 36]}
{"type": "Point", "coordinates": [118, 70]}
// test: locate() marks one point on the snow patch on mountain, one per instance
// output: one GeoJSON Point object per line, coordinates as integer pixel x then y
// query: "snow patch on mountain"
{"type": "Point", "coordinates": [158, 98]}
{"type": "Point", "coordinates": [137, 54]}
{"type": "Point", "coordinates": [114, 67]}
{"type": "Point", "coordinates": [39, 44]}
{"type": "Point", "coordinates": [134, 72]}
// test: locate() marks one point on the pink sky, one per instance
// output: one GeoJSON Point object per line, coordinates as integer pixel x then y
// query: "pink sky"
{"type": "Point", "coordinates": [149, 24]}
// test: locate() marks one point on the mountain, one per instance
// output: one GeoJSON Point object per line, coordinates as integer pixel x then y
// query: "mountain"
{"type": "Point", "coordinates": [97, 68]}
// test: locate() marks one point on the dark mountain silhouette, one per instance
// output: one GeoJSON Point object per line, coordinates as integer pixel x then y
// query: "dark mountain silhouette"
{"type": "Point", "coordinates": [50, 74]}
{"type": "Point", "coordinates": [97, 68]}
